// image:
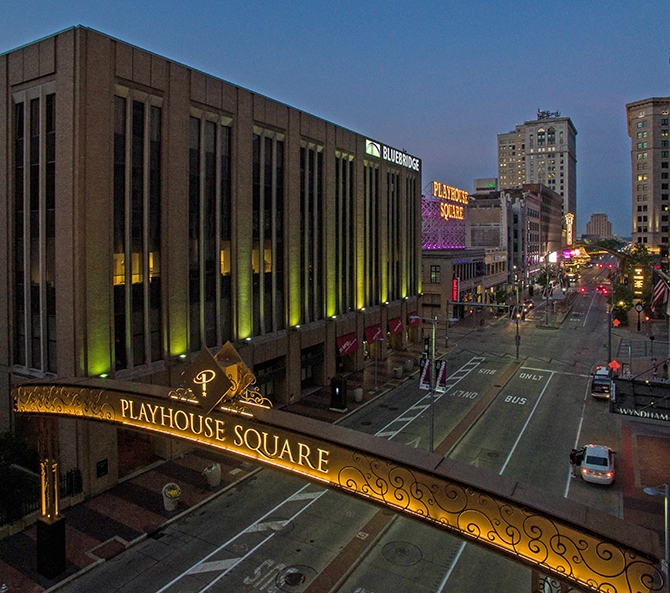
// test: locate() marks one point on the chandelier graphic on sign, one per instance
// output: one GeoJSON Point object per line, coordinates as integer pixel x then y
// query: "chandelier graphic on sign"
{"type": "Point", "coordinates": [221, 381]}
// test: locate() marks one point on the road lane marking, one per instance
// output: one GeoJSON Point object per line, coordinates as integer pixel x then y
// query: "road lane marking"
{"type": "Point", "coordinates": [404, 419]}
{"type": "Point", "coordinates": [239, 535]}
{"type": "Point", "coordinates": [443, 584]}
{"type": "Point", "coordinates": [518, 438]}
{"type": "Point", "coordinates": [579, 432]}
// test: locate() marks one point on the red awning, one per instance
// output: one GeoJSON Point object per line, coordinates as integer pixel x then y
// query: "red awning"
{"type": "Point", "coordinates": [395, 326]}
{"type": "Point", "coordinates": [413, 319]}
{"type": "Point", "coordinates": [374, 333]}
{"type": "Point", "coordinates": [347, 343]}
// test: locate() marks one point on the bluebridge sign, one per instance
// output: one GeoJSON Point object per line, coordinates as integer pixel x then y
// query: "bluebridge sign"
{"type": "Point", "coordinates": [581, 547]}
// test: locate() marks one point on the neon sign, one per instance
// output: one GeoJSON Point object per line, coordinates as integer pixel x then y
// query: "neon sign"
{"type": "Point", "coordinates": [450, 207]}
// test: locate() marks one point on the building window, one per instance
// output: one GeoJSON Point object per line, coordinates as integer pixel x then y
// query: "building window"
{"type": "Point", "coordinates": [641, 145]}
{"type": "Point", "coordinates": [435, 275]}
{"type": "Point", "coordinates": [344, 232]}
{"type": "Point", "coordinates": [551, 136]}
{"type": "Point", "coordinates": [664, 143]}
{"type": "Point", "coordinates": [268, 306]}
{"type": "Point", "coordinates": [137, 240]}
{"type": "Point", "coordinates": [35, 231]}
{"type": "Point", "coordinates": [372, 258]}
{"type": "Point", "coordinates": [210, 286]}
{"type": "Point", "coordinates": [664, 133]}
{"type": "Point", "coordinates": [642, 134]}
{"type": "Point", "coordinates": [312, 235]}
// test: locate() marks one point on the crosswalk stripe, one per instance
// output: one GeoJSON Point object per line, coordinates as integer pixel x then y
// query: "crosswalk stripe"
{"type": "Point", "coordinates": [215, 565]}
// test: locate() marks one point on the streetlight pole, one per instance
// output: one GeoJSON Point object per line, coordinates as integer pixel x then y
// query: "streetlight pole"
{"type": "Point", "coordinates": [517, 338]}
{"type": "Point", "coordinates": [666, 494]}
{"type": "Point", "coordinates": [432, 384]}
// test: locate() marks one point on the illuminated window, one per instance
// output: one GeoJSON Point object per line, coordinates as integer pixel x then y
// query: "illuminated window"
{"type": "Point", "coordinates": [136, 259]}
{"type": "Point", "coordinates": [435, 274]}
{"type": "Point", "coordinates": [210, 285]}
{"type": "Point", "coordinates": [268, 304]}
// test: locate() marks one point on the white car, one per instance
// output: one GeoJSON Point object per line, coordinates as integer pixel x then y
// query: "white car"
{"type": "Point", "coordinates": [598, 464]}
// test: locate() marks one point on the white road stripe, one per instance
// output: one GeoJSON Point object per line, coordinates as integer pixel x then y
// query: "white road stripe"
{"type": "Point", "coordinates": [216, 565]}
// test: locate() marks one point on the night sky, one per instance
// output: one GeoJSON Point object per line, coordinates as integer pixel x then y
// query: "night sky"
{"type": "Point", "coordinates": [439, 79]}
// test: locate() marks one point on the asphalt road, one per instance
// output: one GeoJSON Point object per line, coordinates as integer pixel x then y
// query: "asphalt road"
{"type": "Point", "coordinates": [275, 533]}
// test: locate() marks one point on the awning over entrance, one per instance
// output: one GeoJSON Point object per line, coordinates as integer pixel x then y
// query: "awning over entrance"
{"type": "Point", "coordinates": [395, 326]}
{"type": "Point", "coordinates": [347, 343]}
{"type": "Point", "coordinates": [413, 319]}
{"type": "Point", "coordinates": [374, 333]}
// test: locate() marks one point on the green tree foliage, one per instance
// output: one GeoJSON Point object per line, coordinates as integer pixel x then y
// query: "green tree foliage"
{"type": "Point", "coordinates": [611, 244]}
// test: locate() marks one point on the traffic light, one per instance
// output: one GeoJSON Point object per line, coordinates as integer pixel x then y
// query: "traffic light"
{"type": "Point", "coordinates": [426, 344]}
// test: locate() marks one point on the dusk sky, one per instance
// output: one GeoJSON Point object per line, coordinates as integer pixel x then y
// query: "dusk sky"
{"type": "Point", "coordinates": [438, 79]}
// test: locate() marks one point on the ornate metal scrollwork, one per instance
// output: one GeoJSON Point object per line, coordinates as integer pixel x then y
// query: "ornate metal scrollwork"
{"type": "Point", "coordinates": [532, 537]}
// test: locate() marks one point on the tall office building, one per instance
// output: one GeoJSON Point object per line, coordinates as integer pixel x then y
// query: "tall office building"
{"type": "Point", "coordinates": [599, 225]}
{"type": "Point", "coordinates": [150, 210]}
{"type": "Point", "coordinates": [542, 151]}
{"type": "Point", "coordinates": [648, 130]}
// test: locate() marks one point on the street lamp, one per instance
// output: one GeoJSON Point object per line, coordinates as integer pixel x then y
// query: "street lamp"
{"type": "Point", "coordinates": [665, 492]}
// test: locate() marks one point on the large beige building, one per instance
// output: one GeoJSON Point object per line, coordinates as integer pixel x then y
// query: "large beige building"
{"type": "Point", "coordinates": [650, 146]}
{"type": "Point", "coordinates": [149, 210]}
{"type": "Point", "coordinates": [599, 225]}
{"type": "Point", "coordinates": [542, 151]}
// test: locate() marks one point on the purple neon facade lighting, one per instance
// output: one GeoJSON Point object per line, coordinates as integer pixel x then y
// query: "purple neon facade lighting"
{"type": "Point", "coordinates": [436, 232]}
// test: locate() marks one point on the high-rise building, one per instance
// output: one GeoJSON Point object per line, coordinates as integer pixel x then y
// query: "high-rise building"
{"type": "Point", "coordinates": [599, 225]}
{"type": "Point", "coordinates": [650, 147]}
{"type": "Point", "coordinates": [542, 151]}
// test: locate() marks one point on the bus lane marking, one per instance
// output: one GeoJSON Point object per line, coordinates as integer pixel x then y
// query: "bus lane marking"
{"type": "Point", "coordinates": [518, 438]}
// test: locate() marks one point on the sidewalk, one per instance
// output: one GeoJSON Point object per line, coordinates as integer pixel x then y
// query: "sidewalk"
{"type": "Point", "coordinates": [105, 525]}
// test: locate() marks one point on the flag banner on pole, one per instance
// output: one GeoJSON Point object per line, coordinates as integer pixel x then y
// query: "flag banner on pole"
{"type": "Point", "coordinates": [424, 381]}
{"type": "Point", "coordinates": [441, 383]}
{"type": "Point", "coordinates": [512, 313]}
{"type": "Point", "coordinates": [659, 293]}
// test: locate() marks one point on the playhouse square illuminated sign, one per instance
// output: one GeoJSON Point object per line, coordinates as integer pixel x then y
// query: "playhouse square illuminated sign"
{"type": "Point", "coordinates": [392, 155]}
{"type": "Point", "coordinates": [455, 200]}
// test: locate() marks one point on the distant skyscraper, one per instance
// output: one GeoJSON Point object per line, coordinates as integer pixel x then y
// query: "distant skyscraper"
{"type": "Point", "coordinates": [648, 129]}
{"type": "Point", "coordinates": [599, 225]}
{"type": "Point", "coordinates": [542, 151]}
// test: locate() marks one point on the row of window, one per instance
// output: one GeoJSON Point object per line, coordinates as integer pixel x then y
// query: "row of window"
{"type": "Point", "coordinates": [136, 272]}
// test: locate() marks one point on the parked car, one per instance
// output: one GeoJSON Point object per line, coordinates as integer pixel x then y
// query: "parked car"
{"type": "Point", "coordinates": [528, 304]}
{"type": "Point", "coordinates": [598, 464]}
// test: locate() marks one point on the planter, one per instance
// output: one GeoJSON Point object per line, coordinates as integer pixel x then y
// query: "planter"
{"type": "Point", "coordinates": [358, 394]}
{"type": "Point", "coordinates": [213, 475]}
{"type": "Point", "coordinates": [397, 372]}
{"type": "Point", "coordinates": [409, 364]}
{"type": "Point", "coordinates": [171, 494]}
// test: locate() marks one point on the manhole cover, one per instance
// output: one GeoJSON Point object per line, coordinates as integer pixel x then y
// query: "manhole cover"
{"type": "Point", "coordinates": [401, 553]}
{"type": "Point", "coordinates": [294, 579]}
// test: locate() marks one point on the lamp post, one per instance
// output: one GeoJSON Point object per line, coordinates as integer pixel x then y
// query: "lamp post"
{"type": "Point", "coordinates": [665, 492]}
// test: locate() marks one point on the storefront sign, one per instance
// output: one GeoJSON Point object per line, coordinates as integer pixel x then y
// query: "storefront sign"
{"type": "Point", "coordinates": [638, 281]}
{"type": "Point", "coordinates": [347, 344]}
{"type": "Point", "coordinates": [455, 289]}
{"type": "Point", "coordinates": [453, 203]}
{"type": "Point", "coordinates": [395, 326]}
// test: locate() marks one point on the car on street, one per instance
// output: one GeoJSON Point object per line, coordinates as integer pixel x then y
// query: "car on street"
{"type": "Point", "coordinates": [602, 384]}
{"type": "Point", "coordinates": [598, 464]}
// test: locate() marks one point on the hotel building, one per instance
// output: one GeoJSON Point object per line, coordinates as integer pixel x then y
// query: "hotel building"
{"type": "Point", "coordinates": [150, 210]}
{"type": "Point", "coordinates": [543, 152]}
{"type": "Point", "coordinates": [650, 146]}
